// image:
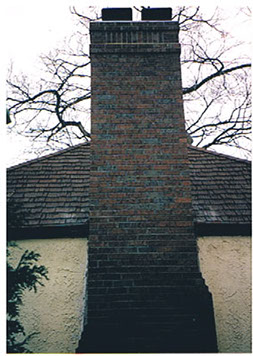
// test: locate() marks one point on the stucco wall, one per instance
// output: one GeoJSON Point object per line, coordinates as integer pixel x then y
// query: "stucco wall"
{"type": "Point", "coordinates": [56, 310]}
{"type": "Point", "coordinates": [225, 263]}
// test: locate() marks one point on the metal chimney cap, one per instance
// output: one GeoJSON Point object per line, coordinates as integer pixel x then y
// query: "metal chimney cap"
{"type": "Point", "coordinates": [156, 13]}
{"type": "Point", "coordinates": [117, 14]}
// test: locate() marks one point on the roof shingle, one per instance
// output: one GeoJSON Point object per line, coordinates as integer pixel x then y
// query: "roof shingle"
{"type": "Point", "coordinates": [221, 187]}
{"type": "Point", "coordinates": [53, 190]}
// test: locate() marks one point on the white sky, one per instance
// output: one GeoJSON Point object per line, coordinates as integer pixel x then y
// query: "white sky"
{"type": "Point", "coordinates": [34, 27]}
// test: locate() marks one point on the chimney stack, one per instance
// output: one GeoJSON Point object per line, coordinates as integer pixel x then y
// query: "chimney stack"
{"type": "Point", "coordinates": [145, 289]}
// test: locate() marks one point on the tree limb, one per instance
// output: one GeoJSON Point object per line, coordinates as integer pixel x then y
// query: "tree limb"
{"type": "Point", "coordinates": [214, 75]}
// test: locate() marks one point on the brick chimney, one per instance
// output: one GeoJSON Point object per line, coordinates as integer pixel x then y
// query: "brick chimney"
{"type": "Point", "coordinates": [145, 289]}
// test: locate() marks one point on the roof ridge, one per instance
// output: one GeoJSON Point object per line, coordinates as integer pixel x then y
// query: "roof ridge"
{"type": "Point", "coordinates": [35, 160]}
{"type": "Point", "coordinates": [224, 155]}
{"type": "Point", "coordinates": [62, 151]}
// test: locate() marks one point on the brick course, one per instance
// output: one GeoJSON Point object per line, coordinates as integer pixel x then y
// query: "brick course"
{"type": "Point", "coordinates": [145, 291]}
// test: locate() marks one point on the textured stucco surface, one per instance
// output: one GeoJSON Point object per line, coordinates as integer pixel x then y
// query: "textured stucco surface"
{"type": "Point", "coordinates": [225, 263]}
{"type": "Point", "coordinates": [56, 310]}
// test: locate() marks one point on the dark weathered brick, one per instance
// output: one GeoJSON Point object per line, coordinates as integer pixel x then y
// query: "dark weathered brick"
{"type": "Point", "coordinates": [141, 245]}
{"type": "Point", "coordinates": [220, 184]}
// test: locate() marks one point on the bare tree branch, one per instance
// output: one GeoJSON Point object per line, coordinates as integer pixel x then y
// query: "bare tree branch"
{"type": "Point", "coordinates": [216, 90]}
{"type": "Point", "coordinates": [214, 75]}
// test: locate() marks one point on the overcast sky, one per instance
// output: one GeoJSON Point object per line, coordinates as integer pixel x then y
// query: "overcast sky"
{"type": "Point", "coordinates": [34, 27]}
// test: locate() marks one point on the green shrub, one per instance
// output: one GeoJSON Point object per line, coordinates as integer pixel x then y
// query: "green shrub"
{"type": "Point", "coordinates": [26, 275]}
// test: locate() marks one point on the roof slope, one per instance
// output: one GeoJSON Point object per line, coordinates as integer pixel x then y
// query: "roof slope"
{"type": "Point", "coordinates": [53, 190]}
{"type": "Point", "coordinates": [221, 187]}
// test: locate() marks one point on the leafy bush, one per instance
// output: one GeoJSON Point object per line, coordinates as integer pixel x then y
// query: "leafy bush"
{"type": "Point", "coordinates": [27, 275]}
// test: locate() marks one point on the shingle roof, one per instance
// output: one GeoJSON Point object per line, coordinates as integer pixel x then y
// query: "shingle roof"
{"type": "Point", "coordinates": [53, 190]}
{"type": "Point", "coordinates": [221, 187]}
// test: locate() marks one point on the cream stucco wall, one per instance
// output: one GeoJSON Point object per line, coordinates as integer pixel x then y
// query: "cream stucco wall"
{"type": "Point", "coordinates": [225, 263]}
{"type": "Point", "coordinates": [56, 310]}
